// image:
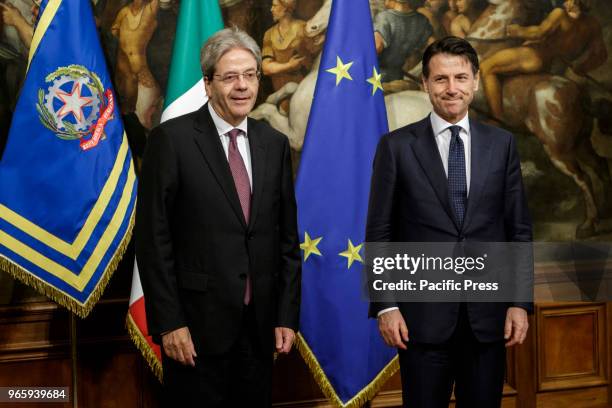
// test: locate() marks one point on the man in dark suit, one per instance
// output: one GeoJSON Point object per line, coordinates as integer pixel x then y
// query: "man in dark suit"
{"type": "Point", "coordinates": [217, 240]}
{"type": "Point", "coordinates": [448, 178]}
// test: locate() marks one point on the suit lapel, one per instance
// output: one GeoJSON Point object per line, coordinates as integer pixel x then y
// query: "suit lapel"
{"type": "Point", "coordinates": [258, 161]}
{"type": "Point", "coordinates": [481, 156]}
{"type": "Point", "coordinates": [428, 155]}
{"type": "Point", "coordinates": [209, 144]}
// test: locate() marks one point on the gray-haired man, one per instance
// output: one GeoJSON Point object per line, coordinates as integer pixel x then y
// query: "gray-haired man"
{"type": "Point", "coordinates": [217, 238]}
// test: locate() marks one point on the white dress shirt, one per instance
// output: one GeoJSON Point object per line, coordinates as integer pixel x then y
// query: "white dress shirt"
{"type": "Point", "coordinates": [442, 134]}
{"type": "Point", "coordinates": [242, 140]}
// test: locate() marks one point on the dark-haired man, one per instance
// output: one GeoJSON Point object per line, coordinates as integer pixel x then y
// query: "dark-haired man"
{"type": "Point", "coordinates": [449, 178]}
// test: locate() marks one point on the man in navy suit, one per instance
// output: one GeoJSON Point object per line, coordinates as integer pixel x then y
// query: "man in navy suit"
{"type": "Point", "coordinates": [449, 178]}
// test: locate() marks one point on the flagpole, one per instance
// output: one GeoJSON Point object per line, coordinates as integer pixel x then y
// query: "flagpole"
{"type": "Point", "coordinates": [73, 346]}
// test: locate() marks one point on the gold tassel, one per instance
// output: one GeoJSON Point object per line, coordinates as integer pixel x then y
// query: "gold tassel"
{"type": "Point", "coordinates": [59, 297]}
{"type": "Point", "coordinates": [365, 395]}
{"type": "Point", "coordinates": [143, 346]}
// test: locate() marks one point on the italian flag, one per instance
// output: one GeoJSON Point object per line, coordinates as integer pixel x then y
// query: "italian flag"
{"type": "Point", "coordinates": [197, 20]}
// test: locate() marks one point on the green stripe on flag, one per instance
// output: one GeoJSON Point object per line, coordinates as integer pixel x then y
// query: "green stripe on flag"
{"type": "Point", "coordinates": [197, 20]}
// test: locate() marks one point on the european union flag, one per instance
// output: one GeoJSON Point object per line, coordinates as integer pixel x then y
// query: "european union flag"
{"type": "Point", "coordinates": [339, 343]}
{"type": "Point", "coordinates": [68, 185]}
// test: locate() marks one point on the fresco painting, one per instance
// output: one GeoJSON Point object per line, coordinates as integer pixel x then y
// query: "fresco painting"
{"type": "Point", "coordinates": [545, 75]}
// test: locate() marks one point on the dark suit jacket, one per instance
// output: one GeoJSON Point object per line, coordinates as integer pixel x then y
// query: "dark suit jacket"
{"type": "Point", "coordinates": [193, 246]}
{"type": "Point", "coordinates": [409, 202]}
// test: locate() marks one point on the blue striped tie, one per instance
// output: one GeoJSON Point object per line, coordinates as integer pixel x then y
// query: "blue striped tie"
{"type": "Point", "coordinates": [457, 182]}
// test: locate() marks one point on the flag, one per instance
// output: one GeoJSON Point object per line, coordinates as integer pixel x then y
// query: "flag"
{"type": "Point", "coordinates": [197, 20]}
{"type": "Point", "coordinates": [341, 346]}
{"type": "Point", "coordinates": [67, 181]}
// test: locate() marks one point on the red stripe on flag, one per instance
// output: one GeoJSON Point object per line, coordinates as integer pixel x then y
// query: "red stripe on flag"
{"type": "Point", "coordinates": [138, 315]}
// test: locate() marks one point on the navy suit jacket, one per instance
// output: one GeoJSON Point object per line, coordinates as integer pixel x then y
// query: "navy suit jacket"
{"type": "Point", "coordinates": [409, 202]}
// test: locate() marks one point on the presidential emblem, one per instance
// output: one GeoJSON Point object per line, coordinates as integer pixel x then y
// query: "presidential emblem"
{"type": "Point", "coordinates": [75, 106]}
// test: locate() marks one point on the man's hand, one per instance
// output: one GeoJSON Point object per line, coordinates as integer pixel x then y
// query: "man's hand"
{"type": "Point", "coordinates": [178, 346]}
{"type": "Point", "coordinates": [284, 339]}
{"type": "Point", "coordinates": [393, 328]}
{"type": "Point", "coordinates": [515, 330]}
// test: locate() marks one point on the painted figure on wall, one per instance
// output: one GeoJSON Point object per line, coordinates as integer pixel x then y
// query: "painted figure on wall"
{"type": "Point", "coordinates": [133, 27]}
{"type": "Point", "coordinates": [568, 34]}
{"type": "Point", "coordinates": [526, 87]}
{"type": "Point", "coordinates": [449, 15]}
{"type": "Point", "coordinates": [14, 15]}
{"type": "Point", "coordinates": [300, 95]}
{"type": "Point", "coordinates": [286, 50]}
{"type": "Point", "coordinates": [547, 105]}
{"type": "Point", "coordinates": [16, 30]}
{"type": "Point", "coordinates": [462, 22]}
{"type": "Point", "coordinates": [239, 13]}
{"type": "Point", "coordinates": [434, 11]}
{"type": "Point", "coordinates": [559, 105]}
{"type": "Point", "coordinates": [400, 33]}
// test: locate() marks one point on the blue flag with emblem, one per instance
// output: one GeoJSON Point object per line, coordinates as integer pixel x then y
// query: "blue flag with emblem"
{"type": "Point", "coordinates": [339, 343]}
{"type": "Point", "coordinates": [67, 179]}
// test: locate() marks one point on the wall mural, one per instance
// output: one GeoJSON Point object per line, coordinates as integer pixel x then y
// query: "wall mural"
{"type": "Point", "coordinates": [545, 76]}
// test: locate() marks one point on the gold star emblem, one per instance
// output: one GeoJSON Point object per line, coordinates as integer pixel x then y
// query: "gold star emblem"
{"type": "Point", "coordinates": [340, 70]}
{"type": "Point", "coordinates": [310, 246]}
{"type": "Point", "coordinates": [352, 253]}
{"type": "Point", "coordinates": [375, 81]}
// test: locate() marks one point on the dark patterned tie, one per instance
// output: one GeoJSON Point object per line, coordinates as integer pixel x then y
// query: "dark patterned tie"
{"type": "Point", "coordinates": [243, 188]}
{"type": "Point", "coordinates": [457, 182]}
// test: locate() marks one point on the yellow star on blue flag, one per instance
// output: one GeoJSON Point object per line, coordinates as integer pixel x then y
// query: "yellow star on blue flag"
{"type": "Point", "coordinates": [375, 81]}
{"type": "Point", "coordinates": [332, 187]}
{"type": "Point", "coordinates": [341, 70]}
{"type": "Point", "coordinates": [352, 254]}
{"type": "Point", "coordinates": [310, 246]}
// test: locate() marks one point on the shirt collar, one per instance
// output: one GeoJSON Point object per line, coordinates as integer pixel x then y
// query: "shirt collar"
{"type": "Point", "coordinates": [439, 125]}
{"type": "Point", "coordinates": [222, 126]}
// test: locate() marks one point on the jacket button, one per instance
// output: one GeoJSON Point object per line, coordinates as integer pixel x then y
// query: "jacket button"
{"type": "Point", "coordinates": [461, 238]}
{"type": "Point", "coordinates": [242, 276]}
{"type": "Point", "coordinates": [251, 236]}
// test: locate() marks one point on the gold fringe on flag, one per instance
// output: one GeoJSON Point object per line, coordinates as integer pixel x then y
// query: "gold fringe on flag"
{"type": "Point", "coordinates": [143, 346]}
{"type": "Point", "coordinates": [59, 297]}
{"type": "Point", "coordinates": [363, 396]}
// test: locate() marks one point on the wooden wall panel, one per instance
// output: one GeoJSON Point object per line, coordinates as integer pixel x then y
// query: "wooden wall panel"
{"type": "Point", "coordinates": [35, 351]}
{"type": "Point", "coordinates": [109, 378]}
{"type": "Point", "coordinates": [522, 368]}
{"type": "Point", "coordinates": [572, 346]}
{"type": "Point", "coordinates": [292, 380]}
{"type": "Point", "coordinates": [112, 373]}
{"type": "Point", "coordinates": [37, 330]}
{"type": "Point", "coordinates": [564, 362]}
{"type": "Point", "coordinates": [50, 372]}
{"type": "Point", "coordinates": [592, 397]}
